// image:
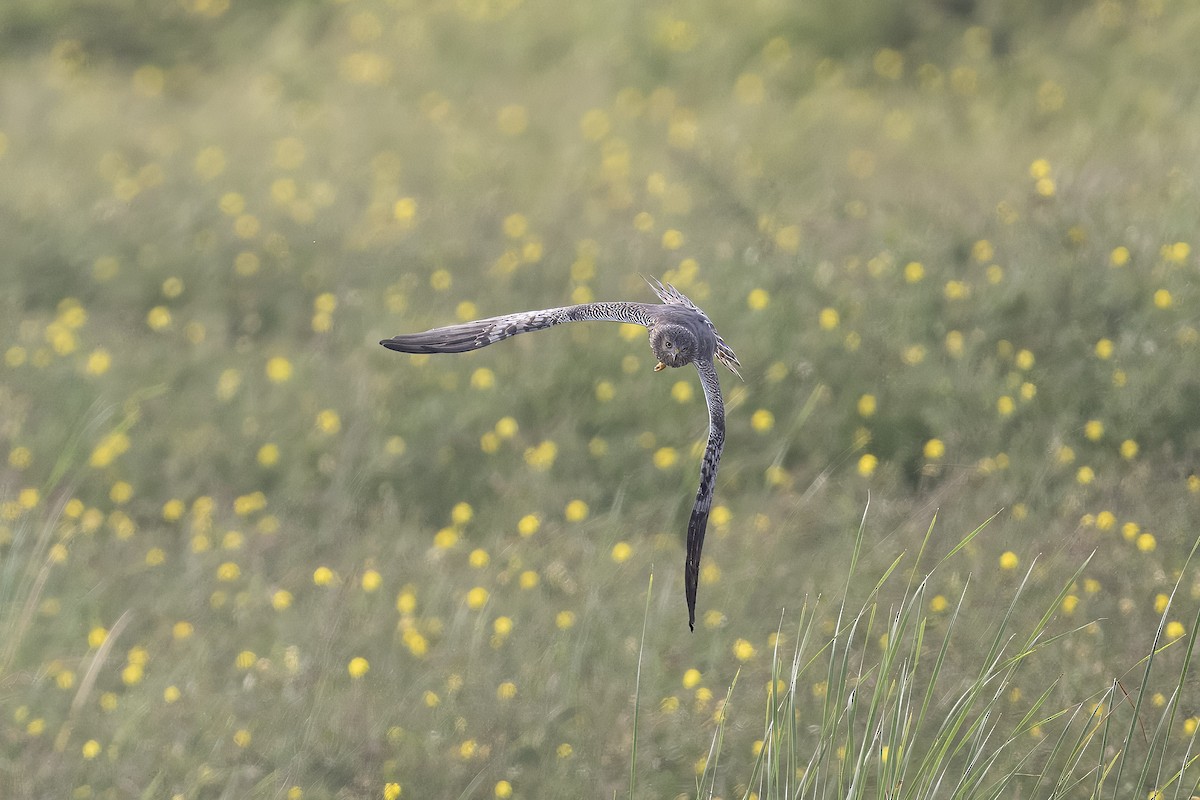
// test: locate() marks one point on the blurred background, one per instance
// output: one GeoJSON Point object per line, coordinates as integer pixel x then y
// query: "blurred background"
{"type": "Point", "coordinates": [247, 552]}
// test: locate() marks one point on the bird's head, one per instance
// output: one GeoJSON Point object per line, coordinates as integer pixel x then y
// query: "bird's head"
{"type": "Point", "coordinates": [673, 345]}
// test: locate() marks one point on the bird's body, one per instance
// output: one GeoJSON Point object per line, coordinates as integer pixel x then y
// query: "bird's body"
{"type": "Point", "coordinates": [680, 333]}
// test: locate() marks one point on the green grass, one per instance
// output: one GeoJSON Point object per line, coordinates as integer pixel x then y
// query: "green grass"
{"type": "Point", "coordinates": [952, 244]}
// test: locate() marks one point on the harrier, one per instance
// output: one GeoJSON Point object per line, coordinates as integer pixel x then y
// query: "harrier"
{"type": "Point", "coordinates": [680, 333]}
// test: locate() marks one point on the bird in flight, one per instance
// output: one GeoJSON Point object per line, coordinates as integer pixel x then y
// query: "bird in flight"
{"type": "Point", "coordinates": [680, 334]}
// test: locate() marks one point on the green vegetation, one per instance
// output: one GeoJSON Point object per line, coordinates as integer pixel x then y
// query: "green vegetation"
{"type": "Point", "coordinates": [247, 552]}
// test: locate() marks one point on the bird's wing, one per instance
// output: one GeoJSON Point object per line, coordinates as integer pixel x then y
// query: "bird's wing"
{"type": "Point", "coordinates": [708, 478]}
{"type": "Point", "coordinates": [482, 332]}
{"type": "Point", "coordinates": [672, 296]}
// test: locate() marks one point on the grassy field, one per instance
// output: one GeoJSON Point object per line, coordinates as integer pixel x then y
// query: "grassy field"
{"type": "Point", "coordinates": [245, 552]}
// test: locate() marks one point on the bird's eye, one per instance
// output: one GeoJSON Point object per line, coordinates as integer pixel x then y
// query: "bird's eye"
{"type": "Point", "coordinates": [667, 343]}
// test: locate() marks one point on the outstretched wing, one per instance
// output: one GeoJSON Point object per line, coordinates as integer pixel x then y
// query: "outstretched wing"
{"type": "Point", "coordinates": [698, 522]}
{"type": "Point", "coordinates": [672, 296]}
{"type": "Point", "coordinates": [482, 332]}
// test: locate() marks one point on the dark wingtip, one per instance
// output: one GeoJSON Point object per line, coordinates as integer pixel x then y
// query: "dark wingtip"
{"type": "Point", "coordinates": [392, 344]}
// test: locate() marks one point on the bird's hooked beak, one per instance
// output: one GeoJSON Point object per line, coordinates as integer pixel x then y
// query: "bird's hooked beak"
{"type": "Point", "coordinates": [659, 367]}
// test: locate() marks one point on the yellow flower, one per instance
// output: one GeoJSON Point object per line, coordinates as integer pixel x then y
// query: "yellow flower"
{"type": "Point", "coordinates": [565, 619]}
{"type": "Point", "coordinates": [1005, 406]}
{"type": "Point", "coordinates": [1163, 299]}
{"type": "Point", "coordinates": [515, 226]}
{"type": "Point", "coordinates": [358, 667]}
{"type": "Point", "coordinates": [98, 362]}
{"type": "Point", "coordinates": [576, 511]}
{"type": "Point", "coordinates": [171, 694]}
{"type": "Point", "coordinates": [476, 598]}
{"type": "Point", "coordinates": [91, 749]}
{"type": "Point", "coordinates": [528, 525]}
{"type": "Point", "coordinates": [132, 674]}
{"type": "Point", "coordinates": [758, 299]}
{"type": "Point", "coordinates": [371, 580]}
{"type": "Point", "coordinates": [956, 290]}
{"type": "Point", "coordinates": [503, 790]}
{"type": "Point", "coordinates": [506, 691]}
{"type": "Point", "coordinates": [445, 538]}
{"type": "Point", "coordinates": [1085, 475]}
{"type": "Point", "coordinates": [281, 599]}
{"type": "Point", "coordinates": [743, 650]}
{"type": "Point", "coordinates": [1093, 429]}
{"type": "Point", "coordinates": [391, 791]}
{"type": "Point", "coordinates": [506, 427]}
{"type": "Point", "coordinates": [415, 642]}
{"type": "Point", "coordinates": [479, 558]}
{"type": "Point", "coordinates": [158, 318]}
{"type": "Point", "coordinates": [621, 552]}
{"type": "Point", "coordinates": [1129, 449]}
{"type": "Point", "coordinates": [404, 211]}
{"type": "Point", "coordinates": [279, 369]}
{"type": "Point", "coordinates": [241, 737]}
{"type": "Point", "coordinates": [229, 571]}
{"type": "Point", "coordinates": [1146, 542]}
{"type": "Point", "coordinates": [1119, 257]}
{"type": "Point", "coordinates": [322, 576]}
{"type": "Point", "coordinates": [681, 392]}
{"type": "Point", "coordinates": [172, 510]}
{"type": "Point", "coordinates": [541, 458]}
{"type": "Point", "coordinates": [268, 455]}
{"type": "Point", "coordinates": [1009, 560]}
{"type": "Point", "coordinates": [762, 420]}
{"type": "Point", "coordinates": [96, 636]}
{"type": "Point", "coordinates": [914, 271]}
{"type": "Point", "coordinates": [934, 449]}
{"type": "Point", "coordinates": [328, 421]}
{"type": "Point", "coordinates": [787, 239]}
{"type": "Point", "coordinates": [913, 355]}
{"type": "Point", "coordinates": [938, 604]}
{"type": "Point", "coordinates": [1174, 630]}
{"type": "Point", "coordinates": [672, 239]}
{"type": "Point", "coordinates": [867, 464]}
{"type": "Point", "coordinates": [664, 458]}
{"type": "Point", "coordinates": [249, 503]}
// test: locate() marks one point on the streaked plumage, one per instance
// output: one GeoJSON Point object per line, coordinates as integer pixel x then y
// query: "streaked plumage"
{"type": "Point", "coordinates": [680, 333]}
